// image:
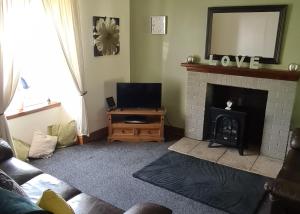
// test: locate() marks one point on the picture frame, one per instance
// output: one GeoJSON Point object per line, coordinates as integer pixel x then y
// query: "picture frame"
{"type": "Point", "coordinates": [158, 24]}
{"type": "Point", "coordinates": [111, 103]}
{"type": "Point", "coordinates": [106, 35]}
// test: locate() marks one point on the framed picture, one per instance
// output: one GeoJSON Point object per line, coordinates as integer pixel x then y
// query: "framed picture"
{"type": "Point", "coordinates": [158, 24]}
{"type": "Point", "coordinates": [106, 35]}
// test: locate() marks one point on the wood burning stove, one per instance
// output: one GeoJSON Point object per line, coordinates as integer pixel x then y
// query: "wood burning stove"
{"type": "Point", "coordinates": [227, 128]}
{"type": "Point", "coordinates": [243, 124]}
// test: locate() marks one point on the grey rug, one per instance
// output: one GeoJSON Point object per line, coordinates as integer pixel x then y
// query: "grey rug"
{"type": "Point", "coordinates": [105, 171]}
{"type": "Point", "coordinates": [223, 187]}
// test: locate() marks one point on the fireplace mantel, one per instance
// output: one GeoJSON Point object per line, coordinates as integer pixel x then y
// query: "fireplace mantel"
{"type": "Point", "coordinates": [247, 72]}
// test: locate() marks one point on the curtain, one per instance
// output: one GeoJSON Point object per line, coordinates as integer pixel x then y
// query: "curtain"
{"type": "Point", "coordinates": [65, 16]}
{"type": "Point", "coordinates": [9, 72]}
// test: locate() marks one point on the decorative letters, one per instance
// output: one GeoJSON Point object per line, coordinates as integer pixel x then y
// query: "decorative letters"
{"type": "Point", "coordinates": [225, 61]}
{"type": "Point", "coordinates": [211, 61]}
{"type": "Point", "coordinates": [254, 62]}
{"type": "Point", "coordinates": [239, 62]}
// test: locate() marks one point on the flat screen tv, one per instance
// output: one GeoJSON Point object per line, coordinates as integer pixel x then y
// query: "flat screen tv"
{"type": "Point", "coordinates": [138, 95]}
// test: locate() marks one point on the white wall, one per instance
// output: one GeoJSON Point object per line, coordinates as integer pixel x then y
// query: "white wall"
{"type": "Point", "coordinates": [23, 127]}
{"type": "Point", "coordinates": [101, 72]}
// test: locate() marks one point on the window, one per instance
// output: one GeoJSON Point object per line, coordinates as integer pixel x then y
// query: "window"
{"type": "Point", "coordinates": [44, 72]}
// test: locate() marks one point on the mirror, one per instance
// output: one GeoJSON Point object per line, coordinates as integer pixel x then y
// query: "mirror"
{"type": "Point", "coordinates": [245, 31]}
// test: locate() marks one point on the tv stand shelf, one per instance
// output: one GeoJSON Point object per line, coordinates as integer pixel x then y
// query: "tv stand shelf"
{"type": "Point", "coordinates": [150, 130]}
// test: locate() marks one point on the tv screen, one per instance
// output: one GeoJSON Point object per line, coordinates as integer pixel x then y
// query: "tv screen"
{"type": "Point", "coordinates": [138, 95]}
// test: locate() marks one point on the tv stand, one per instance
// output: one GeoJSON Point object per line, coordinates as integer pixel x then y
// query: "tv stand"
{"type": "Point", "coordinates": [135, 119]}
{"type": "Point", "coordinates": [136, 125]}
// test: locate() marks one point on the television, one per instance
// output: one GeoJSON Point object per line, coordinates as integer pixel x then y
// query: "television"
{"type": "Point", "coordinates": [138, 95]}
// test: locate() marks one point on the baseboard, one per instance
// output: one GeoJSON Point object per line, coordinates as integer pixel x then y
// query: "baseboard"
{"type": "Point", "coordinates": [173, 133]}
{"type": "Point", "coordinates": [97, 135]}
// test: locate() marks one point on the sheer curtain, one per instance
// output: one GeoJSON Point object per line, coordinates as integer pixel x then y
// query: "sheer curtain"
{"type": "Point", "coordinates": [65, 16]}
{"type": "Point", "coordinates": [10, 10]}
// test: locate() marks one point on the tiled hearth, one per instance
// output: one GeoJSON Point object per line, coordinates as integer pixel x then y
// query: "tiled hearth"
{"type": "Point", "coordinates": [280, 101]}
{"type": "Point", "coordinates": [251, 161]}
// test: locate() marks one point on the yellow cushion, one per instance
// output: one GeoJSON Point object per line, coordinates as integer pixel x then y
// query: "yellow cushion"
{"type": "Point", "coordinates": [21, 149]}
{"type": "Point", "coordinates": [65, 132]}
{"type": "Point", "coordinates": [54, 203]}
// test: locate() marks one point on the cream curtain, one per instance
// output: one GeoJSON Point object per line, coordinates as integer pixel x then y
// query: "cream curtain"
{"type": "Point", "coordinates": [9, 72]}
{"type": "Point", "coordinates": [65, 15]}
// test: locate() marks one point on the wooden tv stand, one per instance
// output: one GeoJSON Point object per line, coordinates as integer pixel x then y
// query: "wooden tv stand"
{"type": "Point", "coordinates": [122, 130]}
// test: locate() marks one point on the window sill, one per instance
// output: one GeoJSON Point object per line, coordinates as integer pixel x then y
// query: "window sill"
{"type": "Point", "coordinates": [32, 109]}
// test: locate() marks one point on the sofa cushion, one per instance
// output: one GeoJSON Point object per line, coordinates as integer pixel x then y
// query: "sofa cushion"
{"type": "Point", "coordinates": [21, 149]}
{"type": "Point", "coordinates": [54, 203]}
{"type": "Point", "coordinates": [35, 187]}
{"type": "Point", "coordinates": [295, 139]}
{"type": "Point", "coordinates": [42, 146]}
{"type": "Point", "coordinates": [66, 133]}
{"type": "Point", "coordinates": [148, 208]}
{"type": "Point", "coordinates": [12, 203]}
{"type": "Point", "coordinates": [292, 161]}
{"type": "Point", "coordinates": [18, 170]}
{"type": "Point", "coordinates": [5, 150]}
{"type": "Point", "coordinates": [289, 175]}
{"type": "Point", "coordinates": [86, 204]}
{"type": "Point", "coordinates": [9, 184]}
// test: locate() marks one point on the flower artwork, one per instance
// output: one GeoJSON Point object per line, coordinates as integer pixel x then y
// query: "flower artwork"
{"type": "Point", "coordinates": [106, 35]}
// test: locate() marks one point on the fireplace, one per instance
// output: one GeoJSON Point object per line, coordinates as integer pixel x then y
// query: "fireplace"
{"type": "Point", "coordinates": [247, 112]}
{"type": "Point", "coordinates": [227, 127]}
{"type": "Point", "coordinates": [276, 98]}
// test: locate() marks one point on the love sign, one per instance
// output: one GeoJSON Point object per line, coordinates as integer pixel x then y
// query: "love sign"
{"type": "Point", "coordinates": [225, 61]}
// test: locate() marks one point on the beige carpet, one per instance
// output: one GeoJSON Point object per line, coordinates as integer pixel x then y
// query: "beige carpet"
{"type": "Point", "coordinates": [251, 161]}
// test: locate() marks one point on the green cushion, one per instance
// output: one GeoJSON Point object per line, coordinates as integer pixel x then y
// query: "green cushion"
{"type": "Point", "coordinates": [12, 203]}
{"type": "Point", "coordinates": [21, 149]}
{"type": "Point", "coordinates": [66, 133]}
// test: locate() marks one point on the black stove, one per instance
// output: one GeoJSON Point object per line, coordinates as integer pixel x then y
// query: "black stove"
{"type": "Point", "coordinates": [228, 128]}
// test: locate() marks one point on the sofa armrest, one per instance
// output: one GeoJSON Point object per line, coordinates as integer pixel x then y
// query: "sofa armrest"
{"type": "Point", "coordinates": [295, 140]}
{"type": "Point", "coordinates": [282, 188]}
{"type": "Point", "coordinates": [148, 208]}
{"type": "Point", "coordinates": [5, 151]}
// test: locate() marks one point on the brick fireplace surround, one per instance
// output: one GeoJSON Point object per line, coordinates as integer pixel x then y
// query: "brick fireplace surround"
{"type": "Point", "coordinates": [281, 95]}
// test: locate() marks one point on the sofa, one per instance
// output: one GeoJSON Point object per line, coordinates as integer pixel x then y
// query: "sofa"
{"type": "Point", "coordinates": [34, 182]}
{"type": "Point", "coordinates": [284, 191]}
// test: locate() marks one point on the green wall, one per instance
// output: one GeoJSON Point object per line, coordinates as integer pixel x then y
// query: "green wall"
{"type": "Point", "coordinates": [158, 57]}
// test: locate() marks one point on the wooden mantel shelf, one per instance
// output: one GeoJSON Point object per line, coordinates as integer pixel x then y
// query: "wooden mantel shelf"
{"type": "Point", "coordinates": [247, 72]}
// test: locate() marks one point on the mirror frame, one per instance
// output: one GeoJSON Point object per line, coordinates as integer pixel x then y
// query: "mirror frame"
{"type": "Point", "coordinates": [262, 8]}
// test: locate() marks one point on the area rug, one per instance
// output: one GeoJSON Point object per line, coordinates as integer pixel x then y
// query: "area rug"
{"type": "Point", "coordinates": [219, 186]}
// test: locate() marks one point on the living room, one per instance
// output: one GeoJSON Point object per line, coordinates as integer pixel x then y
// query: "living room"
{"type": "Point", "coordinates": [143, 57]}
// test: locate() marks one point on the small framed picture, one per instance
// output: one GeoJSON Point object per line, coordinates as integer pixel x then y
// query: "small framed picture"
{"type": "Point", "coordinates": [158, 24]}
{"type": "Point", "coordinates": [111, 103]}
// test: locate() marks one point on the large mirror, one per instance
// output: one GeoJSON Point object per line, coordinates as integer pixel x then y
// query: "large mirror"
{"type": "Point", "coordinates": [245, 31]}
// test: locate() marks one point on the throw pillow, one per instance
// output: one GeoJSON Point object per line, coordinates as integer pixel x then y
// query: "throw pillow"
{"type": "Point", "coordinates": [66, 133]}
{"type": "Point", "coordinates": [21, 149]}
{"type": "Point", "coordinates": [42, 145]}
{"type": "Point", "coordinates": [8, 183]}
{"type": "Point", "coordinates": [11, 202]}
{"type": "Point", "coordinates": [54, 203]}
